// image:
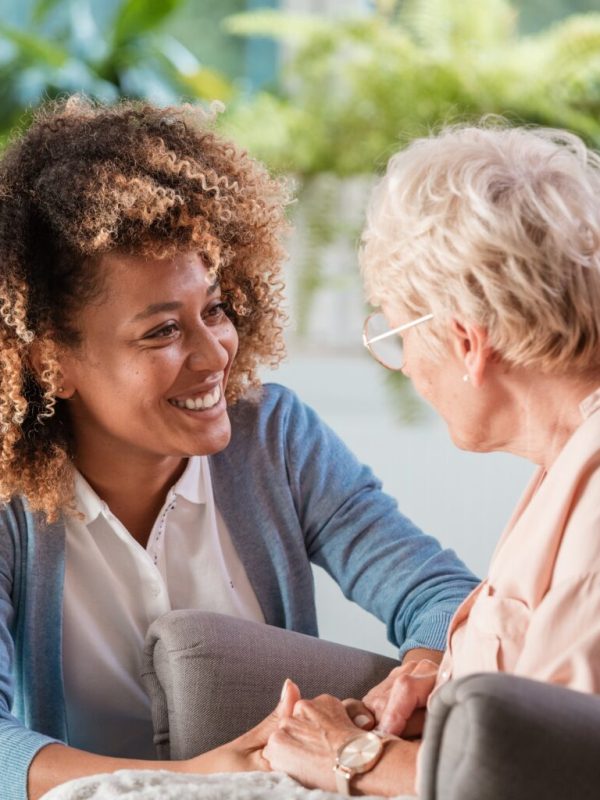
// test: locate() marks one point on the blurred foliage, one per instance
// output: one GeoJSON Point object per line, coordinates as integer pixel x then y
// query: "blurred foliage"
{"type": "Point", "coordinates": [61, 48]}
{"type": "Point", "coordinates": [356, 89]}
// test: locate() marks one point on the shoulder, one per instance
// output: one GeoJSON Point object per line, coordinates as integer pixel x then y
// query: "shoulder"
{"type": "Point", "coordinates": [268, 411]}
{"type": "Point", "coordinates": [580, 550]}
{"type": "Point", "coordinates": [271, 398]}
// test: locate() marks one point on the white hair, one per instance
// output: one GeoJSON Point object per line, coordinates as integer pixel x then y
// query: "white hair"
{"type": "Point", "coordinates": [495, 226]}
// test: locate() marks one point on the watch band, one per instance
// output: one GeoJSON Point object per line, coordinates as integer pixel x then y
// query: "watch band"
{"type": "Point", "coordinates": [344, 774]}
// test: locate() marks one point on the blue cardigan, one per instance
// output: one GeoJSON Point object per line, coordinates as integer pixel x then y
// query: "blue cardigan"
{"type": "Point", "coordinates": [290, 493]}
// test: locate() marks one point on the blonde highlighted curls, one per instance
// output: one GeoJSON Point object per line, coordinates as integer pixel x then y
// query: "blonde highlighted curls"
{"type": "Point", "coordinates": [495, 226]}
{"type": "Point", "coordinates": [85, 180]}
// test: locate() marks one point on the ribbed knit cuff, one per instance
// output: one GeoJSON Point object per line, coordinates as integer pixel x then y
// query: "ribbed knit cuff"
{"type": "Point", "coordinates": [431, 635]}
{"type": "Point", "coordinates": [18, 746]}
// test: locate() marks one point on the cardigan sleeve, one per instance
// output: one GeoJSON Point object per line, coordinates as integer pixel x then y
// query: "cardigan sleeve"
{"type": "Point", "coordinates": [18, 744]}
{"type": "Point", "coordinates": [355, 531]}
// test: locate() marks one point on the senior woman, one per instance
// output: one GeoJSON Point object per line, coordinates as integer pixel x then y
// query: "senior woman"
{"type": "Point", "coordinates": [482, 252]}
{"type": "Point", "coordinates": [142, 466]}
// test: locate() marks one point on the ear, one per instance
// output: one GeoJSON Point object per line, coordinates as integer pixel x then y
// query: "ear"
{"type": "Point", "coordinates": [471, 347]}
{"type": "Point", "coordinates": [44, 355]}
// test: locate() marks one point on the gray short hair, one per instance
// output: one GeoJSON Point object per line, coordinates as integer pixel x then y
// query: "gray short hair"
{"type": "Point", "coordinates": [497, 226]}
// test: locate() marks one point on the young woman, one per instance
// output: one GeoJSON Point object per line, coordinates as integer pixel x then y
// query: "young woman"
{"type": "Point", "coordinates": [142, 466]}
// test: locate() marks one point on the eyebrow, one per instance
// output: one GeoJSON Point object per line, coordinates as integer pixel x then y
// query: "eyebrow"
{"type": "Point", "coordinates": [173, 305]}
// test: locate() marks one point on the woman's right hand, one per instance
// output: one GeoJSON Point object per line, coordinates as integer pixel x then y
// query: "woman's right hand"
{"type": "Point", "coordinates": [396, 700]}
{"type": "Point", "coordinates": [244, 754]}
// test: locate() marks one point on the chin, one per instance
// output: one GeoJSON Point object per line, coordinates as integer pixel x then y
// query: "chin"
{"type": "Point", "coordinates": [210, 445]}
{"type": "Point", "coordinates": [464, 442]}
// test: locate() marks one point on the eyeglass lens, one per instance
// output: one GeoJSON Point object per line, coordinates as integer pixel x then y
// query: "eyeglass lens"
{"type": "Point", "coordinates": [388, 351]}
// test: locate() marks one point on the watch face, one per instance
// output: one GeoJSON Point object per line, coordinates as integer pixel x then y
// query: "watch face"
{"type": "Point", "coordinates": [360, 751]}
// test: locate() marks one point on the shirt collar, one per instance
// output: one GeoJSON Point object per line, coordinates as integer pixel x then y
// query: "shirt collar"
{"type": "Point", "coordinates": [87, 501]}
{"type": "Point", "coordinates": [590, 404]}
{"type": "Point", "coordinates": [191, 486]}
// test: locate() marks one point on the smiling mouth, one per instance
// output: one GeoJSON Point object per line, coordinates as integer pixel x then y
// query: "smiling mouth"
{"type": "Point", "coordinates": [200, 402]}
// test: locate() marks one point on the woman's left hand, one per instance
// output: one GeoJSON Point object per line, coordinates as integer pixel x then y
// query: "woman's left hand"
{"type": "Point", "coordinates": [305, 745]}
{"type": "Point", "coordinates": [245, 754]}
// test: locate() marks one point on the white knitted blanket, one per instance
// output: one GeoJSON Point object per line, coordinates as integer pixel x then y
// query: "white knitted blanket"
{"type": "Point", "coordinates": [130, 784]}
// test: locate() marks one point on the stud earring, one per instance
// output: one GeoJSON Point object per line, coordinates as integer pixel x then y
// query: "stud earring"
{"type": "Point", "coordinates": [60, 389]}
{"type": "Point", "coordinates": [466, 378]}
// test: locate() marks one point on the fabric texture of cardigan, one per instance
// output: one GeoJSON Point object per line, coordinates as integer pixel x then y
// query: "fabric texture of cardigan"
{"type": "Point", "coordinates": [291, 493]}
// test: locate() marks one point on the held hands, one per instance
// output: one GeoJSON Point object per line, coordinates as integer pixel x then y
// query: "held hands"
{"type": "Point", "coordinates": [245, 754]}
{"type": "Point", "coordinates": [301, 737]}
{"type": "Point", "coordinates": [396, 704]}
{"type": "Point", "coordinates": [305, 744]}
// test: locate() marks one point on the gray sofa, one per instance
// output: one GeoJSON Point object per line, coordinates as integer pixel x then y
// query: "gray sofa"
{"type": "Point", "coordinates": [488, 736]}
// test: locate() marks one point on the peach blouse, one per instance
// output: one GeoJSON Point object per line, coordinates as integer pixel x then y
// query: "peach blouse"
{"type": "Point", "coordinates": [538, 612]}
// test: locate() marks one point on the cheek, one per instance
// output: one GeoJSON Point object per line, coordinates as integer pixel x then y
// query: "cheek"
{"type": "Point", "coordinates": [232, 344]}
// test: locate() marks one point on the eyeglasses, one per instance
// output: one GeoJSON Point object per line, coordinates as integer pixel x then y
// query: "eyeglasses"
{"type": "Point", "coordinates": [384, 344]}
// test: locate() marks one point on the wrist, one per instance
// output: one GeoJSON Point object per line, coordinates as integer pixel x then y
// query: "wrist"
{"type": "Point", "coordinates": [393, 774]}
{"type": "Point", "coordinates": [421, 654]}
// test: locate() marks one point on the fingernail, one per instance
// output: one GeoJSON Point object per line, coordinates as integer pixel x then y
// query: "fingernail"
{"type": "Point", "coordinates": [284, 689]}
{"type": "Point", "coordinates": [361, 720]}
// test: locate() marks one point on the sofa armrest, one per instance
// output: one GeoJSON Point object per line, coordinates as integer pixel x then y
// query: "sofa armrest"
{"type": "Point", "coordinates": [210, 677]}
{"type": "Point", "coordinates": [497, 736]}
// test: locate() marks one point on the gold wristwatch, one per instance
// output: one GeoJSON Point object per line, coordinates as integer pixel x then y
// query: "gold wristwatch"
{"type": "Point", "coordinates": [359, 754]}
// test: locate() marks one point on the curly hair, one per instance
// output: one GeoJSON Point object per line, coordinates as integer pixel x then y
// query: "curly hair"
{"type": "Point", "coordinates": [85, 180]}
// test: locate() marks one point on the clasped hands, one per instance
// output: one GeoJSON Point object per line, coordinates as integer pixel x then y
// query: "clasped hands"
{"type": "Point", "coordinates": [301, 737]}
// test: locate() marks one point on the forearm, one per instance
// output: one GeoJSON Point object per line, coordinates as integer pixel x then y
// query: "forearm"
{"type": "Point", "coordinates": [394, 773]}
{"type": "Point", "coordinates": [57, 763]}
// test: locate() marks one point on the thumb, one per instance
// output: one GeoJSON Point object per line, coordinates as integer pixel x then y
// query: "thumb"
{"type": "Point", "coordinates": [257, 737]}
{"type": "Point", "coordinates": [290, 694]}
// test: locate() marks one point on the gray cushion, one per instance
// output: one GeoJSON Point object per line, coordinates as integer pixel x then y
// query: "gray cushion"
{"type": "Point", "coordinates": [211, 677]}
{"type": "Point", "coordinates": [501, 737]}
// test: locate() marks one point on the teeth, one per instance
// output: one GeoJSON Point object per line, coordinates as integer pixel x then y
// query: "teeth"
{"type": "Point", "coordinates": [208, 400]}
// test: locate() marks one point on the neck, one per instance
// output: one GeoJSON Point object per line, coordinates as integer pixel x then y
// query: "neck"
{"type": "Point", "coordinates": [542, 412]}
{"type": "Point", "coordinates": [134, 488]}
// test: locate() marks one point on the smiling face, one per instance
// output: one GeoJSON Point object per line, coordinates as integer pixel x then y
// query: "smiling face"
{"type": "Point", "coordinates": [148, 380]}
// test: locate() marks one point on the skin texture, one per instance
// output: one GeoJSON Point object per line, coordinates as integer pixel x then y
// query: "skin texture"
{"type": "Point", "coordinates": [56, 763]}
{"type": "Point", "coordinates": [85, 180]}
{"type": "Point", "coordinates": [160, 332]}
{"type": "Point", "coordinates": [305, 744]}
{"type": "Point", "coordinates": [497, 407]}
{"type": "Point", "coordinates": [117, 385]}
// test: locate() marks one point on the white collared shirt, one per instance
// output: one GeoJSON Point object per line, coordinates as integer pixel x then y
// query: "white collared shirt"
{"type": "Point", "coordinates": [114, 589]}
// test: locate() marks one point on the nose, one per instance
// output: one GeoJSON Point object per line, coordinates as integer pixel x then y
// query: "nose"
{"type": "Point", "coordinates": [211, 348]}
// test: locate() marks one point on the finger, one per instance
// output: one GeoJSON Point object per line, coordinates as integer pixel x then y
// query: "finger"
{"type": "Point", "coordinates": [408, 693]}
{"type": "Point", "coordinates": [414, 727]}
{"type": "Point", "coordinates": [323, 705]}
{"type": "Point", "coordinates": [275, 742]}
{"type": "Point", "coordinates": [258, 735]}
{"type": "Point", "coordinates": [359, 714]}
{"type": "Point", "coordinates": [290, 695]}
{"type": "Point", "coordinates": [377, 697]}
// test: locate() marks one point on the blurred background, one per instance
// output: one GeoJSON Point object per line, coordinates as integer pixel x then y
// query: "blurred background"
{"type": "Point", "coordinates": [324, 91]}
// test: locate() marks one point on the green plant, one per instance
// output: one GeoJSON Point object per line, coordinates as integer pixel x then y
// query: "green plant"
{"type": "Point", "coordinates": [355, 90]}
{"type": "Point", "coordinates": [67, 46]}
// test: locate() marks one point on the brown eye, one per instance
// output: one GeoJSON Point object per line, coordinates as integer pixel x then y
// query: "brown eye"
{"type": "Point", "coordinates": [163, 333]}
{"type": "Point", "coordinates": [217, 313]}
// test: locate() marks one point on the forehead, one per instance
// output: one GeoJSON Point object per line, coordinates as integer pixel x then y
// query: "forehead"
{"type": "Point", "coordinates": [136, 281]}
